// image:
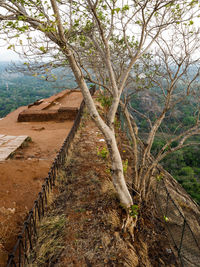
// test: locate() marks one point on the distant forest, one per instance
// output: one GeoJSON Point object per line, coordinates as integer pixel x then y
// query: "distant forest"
{"type": "Point", "coordinates": [18, 89]}
{"type": "Point", "coordinates": [184, 164]}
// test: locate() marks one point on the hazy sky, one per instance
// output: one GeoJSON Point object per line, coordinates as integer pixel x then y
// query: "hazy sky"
{"type": "Point", "coordinates": [8, 55]}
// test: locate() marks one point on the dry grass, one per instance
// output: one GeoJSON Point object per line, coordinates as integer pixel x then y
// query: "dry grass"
{"type": "Point", "coordinates": [107, 188]}
{"type": "Point", "coordinates": [50, 240]}
{"type": "Point", "coordinates": [113, 219]}
{"type": "Point", "coordinates": [61, 178]}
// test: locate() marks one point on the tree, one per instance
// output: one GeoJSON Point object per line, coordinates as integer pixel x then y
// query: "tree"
{"type": "Point", "coordinates": [101, 41]}
{"type": "Point", "coordinates": [169, 80]}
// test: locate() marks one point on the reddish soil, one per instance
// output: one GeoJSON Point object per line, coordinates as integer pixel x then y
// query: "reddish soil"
{"type": "Point", "coordinates": [22, 176]}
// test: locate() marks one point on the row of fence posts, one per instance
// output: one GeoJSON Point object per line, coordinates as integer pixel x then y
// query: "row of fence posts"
{"type": "Point", "coordinates": [26, 240]}
{"type": "Point", "coordinates": [180, 233]}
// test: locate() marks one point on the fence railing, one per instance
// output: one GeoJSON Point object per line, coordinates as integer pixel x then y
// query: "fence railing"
{"type": "Point", "coordinates": [181, 233]}
{"type": "Point", "coordinates": [27, 239]}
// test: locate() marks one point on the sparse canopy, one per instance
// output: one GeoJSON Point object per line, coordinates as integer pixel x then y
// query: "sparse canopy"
{"type": "Point", "coordinates": [169, 79]}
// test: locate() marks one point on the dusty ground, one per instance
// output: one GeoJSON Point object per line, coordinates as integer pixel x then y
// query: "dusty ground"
{"type": "Point", "coordinates": [85, 228]}
{"type": "Point", "coordinates": [21, 176]}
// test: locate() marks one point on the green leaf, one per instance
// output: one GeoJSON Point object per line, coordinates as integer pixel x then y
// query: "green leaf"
{"type": "Point", "coordinates": [42, 48]}
{"type": "Point", "coordinates": [10, 46]}
{"type": "Point", "coordinates": [125, 8]}
{"type": "Point", "coordinates": [117, 9]}
{"type": "Point", "coordinates": [166, 218]}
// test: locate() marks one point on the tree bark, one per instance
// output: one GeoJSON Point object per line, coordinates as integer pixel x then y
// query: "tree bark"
{"type": "Point", "coordinates": [109, 134]}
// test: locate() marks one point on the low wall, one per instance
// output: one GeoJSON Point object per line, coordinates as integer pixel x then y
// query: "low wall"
{"type": "Point", "coordinates": [64, 113]}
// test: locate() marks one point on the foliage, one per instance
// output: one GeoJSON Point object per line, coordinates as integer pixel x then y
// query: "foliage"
{"type": "Point", "coordinates": [184, 166]}
{"type": "Point", "coordinates": [134, 211]}
{"type": "Point", "coordinates": [166, 219]}
{"type": "Point", "coordinates": [106, 101]}
{"type": "Point", "coordinates": [191, 185]}
{"type": "Point", "coordinates": [103, 153]}
{"type": "Point", "coordinates": [125, 165]}
{"type": "Point", "coordinates": [159, 177]}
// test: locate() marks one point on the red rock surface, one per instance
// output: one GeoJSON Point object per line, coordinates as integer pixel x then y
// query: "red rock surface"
{"type": "Point", "coordinates": [22, 176]}
{"type": "Point", "coordinates": [62, 106]}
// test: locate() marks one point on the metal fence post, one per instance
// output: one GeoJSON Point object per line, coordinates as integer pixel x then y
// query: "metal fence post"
{"type": "Point", "coordinates": [179, 249]}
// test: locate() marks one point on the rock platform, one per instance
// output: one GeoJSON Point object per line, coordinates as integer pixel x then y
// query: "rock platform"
{"type": "Point", "coordinates": [59, 107]}
{"type": "Point", "coordinates": [9, 143]}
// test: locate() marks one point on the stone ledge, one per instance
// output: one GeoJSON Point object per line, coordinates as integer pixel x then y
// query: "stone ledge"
{"type": "Point", "coordinates": [9, 143]}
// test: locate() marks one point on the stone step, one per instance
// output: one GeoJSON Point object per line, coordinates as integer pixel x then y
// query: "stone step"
{"type": "Point", "coordinates": [9, 143]}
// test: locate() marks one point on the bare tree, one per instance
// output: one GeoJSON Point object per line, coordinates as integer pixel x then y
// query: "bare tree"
{"type": "Point", "coordinates": [105, 35]}
{"type": "Point", "coordinates": [171, 78]}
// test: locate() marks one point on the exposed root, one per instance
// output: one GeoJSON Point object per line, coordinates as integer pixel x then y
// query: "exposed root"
{"type": "Point", "coordinates": [129, 224]}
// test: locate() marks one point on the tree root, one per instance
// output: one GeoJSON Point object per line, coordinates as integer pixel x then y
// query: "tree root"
{"type": "Point", "coordinates": [129, 224]}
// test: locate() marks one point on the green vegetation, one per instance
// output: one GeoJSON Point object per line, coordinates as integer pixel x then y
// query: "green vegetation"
{"type": "Point", "coordinates": [105, 100]}
{"type": "Point", "coordinates": [103, 153]}
{"type": "Point", "coordinates": [166, 219]}
{"type": "Point", "coordinates": [134, 211]}
{"type": "Point", "coordinates": [125, 165]}
{"type": "Point", "coordinates": [17, 89]}
{"type": "Point", "coordinates": [183, 164]}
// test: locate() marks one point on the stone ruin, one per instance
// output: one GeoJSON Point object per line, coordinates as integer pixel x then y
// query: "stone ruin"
{"type": "Point", "coordinates": [59, 107]}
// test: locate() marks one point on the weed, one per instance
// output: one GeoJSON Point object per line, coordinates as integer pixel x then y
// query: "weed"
{"type": "Point", "coordinates": [125, 165]}
{"type": "Point", "coordinates": [134, 211]}
{"type": "Point", "coordinates": [82, 124]}
{"type": "Point", "coordinates": [103, 153]}
{"type": "Point", "coordinates": [166, 219]}
{"type": "Point", "coordinates": [11, 156]}
{"type": "Point", "coordinates": [159, 177]}
{"type": "Point", "coordinates": [108, 171]}
{"type": "Point", "coordinates": [61, 177]}
{"type": "Point", "coordinates": [117, 123]}
{"type": "Point", "coordinates": [85, 114]}
{"type": "Point", "coordinates": [29, 139]}
{"type": "Point", "coordinates": [106, 101]}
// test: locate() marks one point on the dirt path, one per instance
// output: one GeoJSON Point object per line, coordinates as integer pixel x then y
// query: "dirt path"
{"type": "Point", "coordinates": [22, 176]}
{"type": "Point", "coordinates": [83, 225]}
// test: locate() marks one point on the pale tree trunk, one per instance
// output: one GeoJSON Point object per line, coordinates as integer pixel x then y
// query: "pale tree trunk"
{"type": "Point", "coordinates": [108, 132]}
{"type": "Point", "coordinates": [117, 171]}
{"type": "Point", "coordinates": [133, 133]}
{"type": "Point", "coordinates": [116, 161]}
